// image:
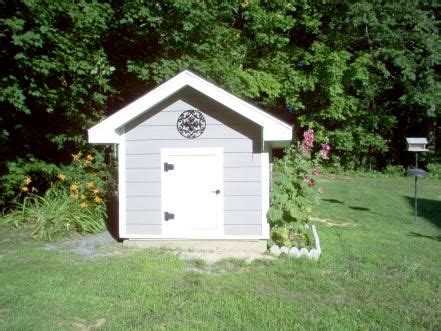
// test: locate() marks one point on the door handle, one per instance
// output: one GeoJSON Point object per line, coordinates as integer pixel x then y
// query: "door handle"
{"type": "Point", "coordinates": [217, 191]}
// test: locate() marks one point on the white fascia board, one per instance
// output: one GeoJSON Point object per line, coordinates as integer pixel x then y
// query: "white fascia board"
{"type": "Point", "coordinates": [105, 131]}
{"type": "Point", "coordinates": [273, 128]}
{"type": "Point", "coordinates": [275, 132]}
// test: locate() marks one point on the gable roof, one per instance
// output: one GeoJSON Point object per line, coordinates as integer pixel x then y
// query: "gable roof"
{"type": "Point", "coordinates": [106, 131]}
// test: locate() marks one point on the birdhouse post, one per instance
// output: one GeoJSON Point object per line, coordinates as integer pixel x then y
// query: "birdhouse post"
{"type": "Point", "coordinates": [416, 145]}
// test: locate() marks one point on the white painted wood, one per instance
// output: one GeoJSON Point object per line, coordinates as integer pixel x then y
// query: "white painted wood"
{"type": "Point", "coordinates": [242, 174]}
{"type": "Point", "coordinates": [152, 160]}
{"type": "Point", "coordinates": [168, 118]}
{"type": "Point", "coordinates": [188, 192]}
{"type": "Point", "coordinates": [144, 229]}
{"type": "Point", "coordinates": [143, 175]}
{"type": "Point", "coordinates": [242, 203]}
{"type": "Point", "coordinates": [148, 132]}
{"type": "Point", "coordinates": [265, 194]}
{"type": "Point", "coordinates": [142, 203]}
{"type": "Point", "coordinates": [149, 146]}
{"type": "Point", "coordinates": [241, 159]}
{"type": "Point", "coordinates": [242, 188]}
{"type": "Point", "coordinates": [144, 217]}
{"type": "Point", "coordinates": [106, 131]}
{"type": "Point", "coordinates": [143, 189]}
{"type": "Point", "coordinates": [239, 217]}
{"type": "Point", "coordinates": [143, 161]}
{"type": "Point", "coordinates": [122, 188]}
{"type": "Point", "coordinates": [243, 229]}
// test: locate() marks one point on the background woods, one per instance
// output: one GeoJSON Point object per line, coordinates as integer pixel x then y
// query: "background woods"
{"type": "Point", "coordinates": [362, 75]}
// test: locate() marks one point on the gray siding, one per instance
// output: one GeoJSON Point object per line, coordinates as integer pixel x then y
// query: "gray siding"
{"type": "Point", "coordinates": [240, 139]}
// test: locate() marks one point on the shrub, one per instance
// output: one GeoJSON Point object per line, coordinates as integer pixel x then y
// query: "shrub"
{"type": "Point", "coordinates": [434, 170]}
{"type": "Point", "coordinates": [74, 201]}
{"type": "Point", "coordinates": [56, 214]}
{"type": "Point", "coordinates": [40, 171]}
{"type": "Point", "coordinates": [293, 192]}
{"type": "Point", "coordinates": [394, 170]}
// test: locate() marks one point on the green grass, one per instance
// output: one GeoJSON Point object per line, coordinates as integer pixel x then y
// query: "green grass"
{"type": "Point", "coordinates": [379, 271]}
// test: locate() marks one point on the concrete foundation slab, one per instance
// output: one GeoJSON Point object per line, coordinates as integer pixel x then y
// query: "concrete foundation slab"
{"type": "Point", "coordinates": [252, 246]}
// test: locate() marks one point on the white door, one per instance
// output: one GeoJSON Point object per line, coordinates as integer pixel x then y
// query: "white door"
{"type": "Point", "coordinates": [192, 192]}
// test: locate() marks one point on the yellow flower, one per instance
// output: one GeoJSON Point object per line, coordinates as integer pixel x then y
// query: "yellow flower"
{"type": "Point", "coordinates": [83, 197]}
{"type": "Point", "coordinates": [74, 196]}
{"type": "Point", "coordinates": [76, 157]}
{"type": "Point", "coordinates": [25, 189]}
{"type": "Point", "coordinates": [98, 199]}
{"type": "Point", "coordinates": [74, 187]}
{"type": "Point", "coordinates": [83, 205]}
{"type": "Point", "coordinates": [61, 177]}
{"type": "Point", "coordinates": [27, 180]}
{"type": "Point", "coordinates": [87, 162]}
{"type": "Point", "coordinates": [90, 158]}
{"type": "Point", "coordinates": [90, 184]}
{"type": "Point", "coordinates": [34, 189]}
{"type": "Point", "coordinates": [96, 191]}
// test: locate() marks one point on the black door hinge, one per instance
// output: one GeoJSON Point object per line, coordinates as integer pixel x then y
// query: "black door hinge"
{"type": "Point", "coordinates": [168, 166]}
{"type": "Point", "coordinates": [169, 216]}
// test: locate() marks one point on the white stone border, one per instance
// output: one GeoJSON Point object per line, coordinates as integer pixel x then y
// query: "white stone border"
{"type": "Point", "coordinates": [313, 253]}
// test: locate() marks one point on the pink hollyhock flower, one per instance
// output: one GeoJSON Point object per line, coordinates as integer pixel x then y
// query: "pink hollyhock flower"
{"type": "Point", "coordinates": [306, 148]}
{"type": "Point", "coordinates": [321, 191]}
{"type": "Point", "coordinates": [311, 183]}
{"type": "Point", "coordinates": [305, 177]}
{"type": "Point", "coordinates": [316, 172]}
{"type": "Point", "coordinates": [325, 151]}
{"type": "Point", "coordinates": [308, 140]}
{"type": "Point", "coordinates": [308, 136]}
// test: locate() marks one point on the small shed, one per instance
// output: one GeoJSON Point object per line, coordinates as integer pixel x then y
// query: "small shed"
{"type": "Point", "coordinates": [193, 163]}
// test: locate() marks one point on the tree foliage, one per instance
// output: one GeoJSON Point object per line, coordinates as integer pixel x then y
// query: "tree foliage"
{"type": "Point", "coordinates": [362, 74]}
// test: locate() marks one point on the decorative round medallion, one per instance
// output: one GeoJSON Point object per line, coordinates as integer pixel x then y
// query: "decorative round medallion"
{"type": "Point", "coordinates": [191, 124]}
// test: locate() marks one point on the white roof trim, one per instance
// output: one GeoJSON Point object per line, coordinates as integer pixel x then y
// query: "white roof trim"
{"type": "Point", "coordinates": [105, 131]}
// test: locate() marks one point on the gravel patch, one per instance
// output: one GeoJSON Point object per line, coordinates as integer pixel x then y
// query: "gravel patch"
{"type": "Point", "coordinates": [89, 246]}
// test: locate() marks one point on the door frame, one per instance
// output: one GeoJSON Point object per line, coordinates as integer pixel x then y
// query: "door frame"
{"type": "Point", "coordinates": [189, 151]}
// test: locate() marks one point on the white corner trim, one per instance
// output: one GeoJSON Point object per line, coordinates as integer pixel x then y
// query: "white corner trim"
{"type": "Point", "coordinates": [265, 178]}
{"type": "Point", "coordinates": [105, 131]}
{"type": "Point", "coordinates": [122, 196]}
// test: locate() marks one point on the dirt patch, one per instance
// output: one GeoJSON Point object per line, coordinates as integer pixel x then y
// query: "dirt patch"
{"type": "Point", "coordinates": [213, 256]}
{"type": "Point", "coordinates": [82, 325]}
{"type": "Point", "coordinates": [332, 223]}
{"type": "Point", "coordinates": [103, 245]}
{"type": "Point", "coordinates": [89, 246]}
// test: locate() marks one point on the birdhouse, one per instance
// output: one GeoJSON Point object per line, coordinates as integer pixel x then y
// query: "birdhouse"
{"type": "Point", "coordinates": [416, 144]}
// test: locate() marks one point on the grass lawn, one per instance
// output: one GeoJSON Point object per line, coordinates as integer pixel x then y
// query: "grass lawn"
{"type": "Point", "coordinates": [379, 270]}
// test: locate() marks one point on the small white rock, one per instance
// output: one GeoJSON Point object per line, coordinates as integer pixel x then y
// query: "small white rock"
{"type": "Point", "coordinates": [275, 250]}
{"type": "Point", "coordinates": [284, 250]}
{"type": "Point", "coordinates": [294, 252]}
{"type": "Point", "coordinates": [304, 252]}
{"type": "Point", "coordinates": [312, 254]}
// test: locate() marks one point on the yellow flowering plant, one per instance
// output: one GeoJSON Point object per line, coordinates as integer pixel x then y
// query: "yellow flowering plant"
{"type": "Point", "coordinates": [68, 198]}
